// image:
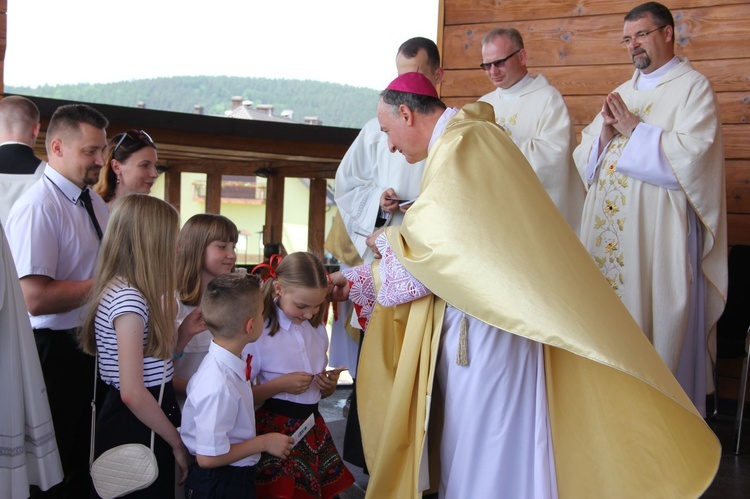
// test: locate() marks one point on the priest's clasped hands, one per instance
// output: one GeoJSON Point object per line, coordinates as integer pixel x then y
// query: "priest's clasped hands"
{"type": "Point", "coordinates": [617, 118]}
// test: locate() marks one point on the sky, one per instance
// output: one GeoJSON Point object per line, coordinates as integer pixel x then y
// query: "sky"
{"type": "Point", "coordinates": [351, 42]}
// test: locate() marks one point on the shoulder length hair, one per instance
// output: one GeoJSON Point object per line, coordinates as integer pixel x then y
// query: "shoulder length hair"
{"type": "Point", "coordinates": [139, 246]}
{"type": "Point", "coordinates": [197, 233]}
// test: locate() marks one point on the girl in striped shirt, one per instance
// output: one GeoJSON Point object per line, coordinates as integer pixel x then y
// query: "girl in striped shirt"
{"type": "Point", "coordinates": [132, 329]}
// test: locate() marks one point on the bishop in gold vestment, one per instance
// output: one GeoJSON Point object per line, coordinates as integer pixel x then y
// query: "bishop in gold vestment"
{"type": "Point", "coordinates": [488, 241]}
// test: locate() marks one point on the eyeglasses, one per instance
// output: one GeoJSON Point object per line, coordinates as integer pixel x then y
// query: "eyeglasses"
{"type": "Point", "coordinates": [639, 37]}
{"type": "Point", "coordinates": [498, 63]}
{"type": "Point", "coordinates": [134, 135]}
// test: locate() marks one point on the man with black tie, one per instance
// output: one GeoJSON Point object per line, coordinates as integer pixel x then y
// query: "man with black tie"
{"type": "Point", "coordinates": [19, 167]}
{"type": "Point", "coordinates": [54, 231]}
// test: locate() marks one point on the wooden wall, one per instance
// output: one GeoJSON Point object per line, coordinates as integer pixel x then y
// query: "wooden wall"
{"type": "Point", "coordinates": [575, 44]}
{"type": "Point", "coordinates": [3, 40]}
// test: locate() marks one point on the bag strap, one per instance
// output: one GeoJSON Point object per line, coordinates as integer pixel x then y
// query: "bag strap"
{"type": "Point", "coordinates": [93, 407]}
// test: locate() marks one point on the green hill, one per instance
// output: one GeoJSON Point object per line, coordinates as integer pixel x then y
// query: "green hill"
{"type": "Point", "coordinates": [334, 104]}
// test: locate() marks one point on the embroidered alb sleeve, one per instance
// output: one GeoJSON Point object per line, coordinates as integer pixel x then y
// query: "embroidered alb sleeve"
{"type": "Point", "coordinates": [399, 286]}
{"type": "Point", "coordinates": [361, 292]}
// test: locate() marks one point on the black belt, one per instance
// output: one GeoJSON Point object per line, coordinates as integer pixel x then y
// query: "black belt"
{"type": "Point", "coordinates": [290, 409]}
{"type": "Point", "coordinates": [44, 330]}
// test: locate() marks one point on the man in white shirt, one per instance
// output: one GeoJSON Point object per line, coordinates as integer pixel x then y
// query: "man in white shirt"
{"type": "Point", "coordinates": [655, 214]}
{"type": "Point", "coordinates": [19, 167]}
{"type": "Point", "coordinates": [535, 117]}
{"type": "Point", "coordinates": [55, 241]}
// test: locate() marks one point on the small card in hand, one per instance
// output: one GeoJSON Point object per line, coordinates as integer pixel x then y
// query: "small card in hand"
{"type": "Point", "coordinates": [303, 429]}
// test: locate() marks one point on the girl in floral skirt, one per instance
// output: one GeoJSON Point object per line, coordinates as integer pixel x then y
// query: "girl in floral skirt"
{"type": "Point", "coordinates": [289, 364]}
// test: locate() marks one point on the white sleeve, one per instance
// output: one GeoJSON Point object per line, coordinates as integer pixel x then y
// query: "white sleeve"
{"type": "Point", "coordinates": [595, 161]}
{"type": "Point", "coordinates": [357, 194]}
{"type": "Point", "coordinates": [643, 158]}
{"type": "Point", "coordinates": [32, 237]}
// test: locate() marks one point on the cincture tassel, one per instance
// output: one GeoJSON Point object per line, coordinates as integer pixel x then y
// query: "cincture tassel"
{"type": "Point", "coordinates": [462, 358]}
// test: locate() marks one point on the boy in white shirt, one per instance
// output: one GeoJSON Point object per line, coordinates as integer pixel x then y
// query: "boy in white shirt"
{"type": "Point", "coordinates": [218, 420]}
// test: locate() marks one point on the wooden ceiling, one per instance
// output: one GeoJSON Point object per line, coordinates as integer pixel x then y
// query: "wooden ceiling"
{"type": "Point", "coordinates": [211, 144]}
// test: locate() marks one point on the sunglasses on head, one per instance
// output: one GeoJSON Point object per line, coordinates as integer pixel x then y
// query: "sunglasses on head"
{"type": "Point", "coordinates": [135, 135]}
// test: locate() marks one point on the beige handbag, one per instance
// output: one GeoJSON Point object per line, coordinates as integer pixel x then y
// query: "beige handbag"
{"type": "Point", "coordinates": [125, 468]}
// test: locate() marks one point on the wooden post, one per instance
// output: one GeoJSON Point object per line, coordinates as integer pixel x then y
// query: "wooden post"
{"type": "Point", "coordinates": [273, 230]}
{"type": "Point", "coordinates": [316, 223]}
{"type": "Point", "coordinates": [213, 193]}
{"type": "Point", "coordinates": [172, 188]}
{"type": "Point", "coordinates": [3, 41]}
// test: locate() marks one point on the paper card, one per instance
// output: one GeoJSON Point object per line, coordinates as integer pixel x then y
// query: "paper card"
{"type": "Point", "coordinates": [303, 429]}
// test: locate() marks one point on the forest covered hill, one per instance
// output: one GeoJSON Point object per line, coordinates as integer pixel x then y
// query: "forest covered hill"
{"type": "Point", "coordinates": [334, 104]}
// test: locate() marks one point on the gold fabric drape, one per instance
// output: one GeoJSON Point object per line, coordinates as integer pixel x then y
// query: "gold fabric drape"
{"type": "Point", "coordinates": [485, 237]}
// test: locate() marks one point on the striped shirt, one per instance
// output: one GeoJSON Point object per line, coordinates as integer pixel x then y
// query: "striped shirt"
{"type": "Point", "coordinates": [120, 299]}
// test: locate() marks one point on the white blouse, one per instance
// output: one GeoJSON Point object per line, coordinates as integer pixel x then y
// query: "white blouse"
{"type": "Point", "coordinates": [294, 348]}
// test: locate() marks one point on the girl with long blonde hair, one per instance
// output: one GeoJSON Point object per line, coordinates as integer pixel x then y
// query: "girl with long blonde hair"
{"type": "Point", "coordinates": [131, 328]}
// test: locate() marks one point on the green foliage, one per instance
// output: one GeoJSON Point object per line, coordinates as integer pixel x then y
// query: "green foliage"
{"type": "Point", "coordinates": [334, 104]}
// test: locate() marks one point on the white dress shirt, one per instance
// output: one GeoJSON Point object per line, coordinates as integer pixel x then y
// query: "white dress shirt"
{"type": "Point", "coordinates": [294, 348]}
{"type": "Point", "coordinates": [50, 233]}
{"type": "Point", "coordinates": [219, 408]}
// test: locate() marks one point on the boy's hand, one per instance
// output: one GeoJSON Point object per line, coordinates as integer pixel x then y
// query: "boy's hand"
{"type": "Point", "coordinates": [297, 383]}
{"type": "Point", "coordinates": [278, 444]}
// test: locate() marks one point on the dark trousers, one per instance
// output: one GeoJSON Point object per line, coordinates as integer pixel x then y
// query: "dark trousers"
{"type": "Point", "coordinates": [69, 377]}
{"type": "Point", "coordinates": [225, 482]}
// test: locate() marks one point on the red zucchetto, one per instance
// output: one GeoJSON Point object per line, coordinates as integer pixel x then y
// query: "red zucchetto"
{"type": "Point", "coordinates": [413, 83]}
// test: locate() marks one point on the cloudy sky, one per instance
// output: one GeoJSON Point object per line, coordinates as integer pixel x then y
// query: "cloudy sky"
{"type": "Point", "coordinates": [90, 41]}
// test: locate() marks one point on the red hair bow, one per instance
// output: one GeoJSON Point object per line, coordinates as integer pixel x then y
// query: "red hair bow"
{"type": "Point", "coordinates": [270, 267]}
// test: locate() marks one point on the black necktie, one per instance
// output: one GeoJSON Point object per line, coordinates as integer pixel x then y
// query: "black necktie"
{"type": "Point", "coordinates": [85, 197]}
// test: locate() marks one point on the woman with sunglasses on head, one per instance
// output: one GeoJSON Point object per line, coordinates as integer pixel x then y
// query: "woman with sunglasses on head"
{"type": "Point", "coordinates": [130, 166]}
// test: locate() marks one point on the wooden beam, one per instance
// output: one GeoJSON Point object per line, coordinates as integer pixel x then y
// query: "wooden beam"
{"type": "Point", "coordinates": [262, 168]}
{"type": "Point", "coordinates": [273, 230]}
{"type": "Point", "coordinates": [172, 188]}
{"type": "Point", "coordinates": [316, 225]}
{"type": "Point", "coordinates": [213, 193]}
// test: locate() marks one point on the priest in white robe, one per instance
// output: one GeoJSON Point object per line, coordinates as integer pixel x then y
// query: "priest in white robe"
{"type": "Point", "coordinates": [546, 386]}
{"type": "Point", "coordinates": [534, 115]}
{"type": "Point", "coordinates": [655, 214]}
{"type": "Point", "coordinates": [28, 449]}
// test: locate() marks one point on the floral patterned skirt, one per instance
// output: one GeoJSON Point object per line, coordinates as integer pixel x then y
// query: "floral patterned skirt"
{"type": "Point", "coordinates": [313, 470]}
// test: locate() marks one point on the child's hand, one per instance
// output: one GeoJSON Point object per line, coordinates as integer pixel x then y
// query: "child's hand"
{"type": "Point", "coordinates": [182, 458]}
{"type": "Point", "coordinates": [326, 381]}
{"type": "Point", "coordinates": [278, 444]}
{"type": "Point", "coordinates": [297, 383]}
{"type": "Point", "coordinates": [193, 323]}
